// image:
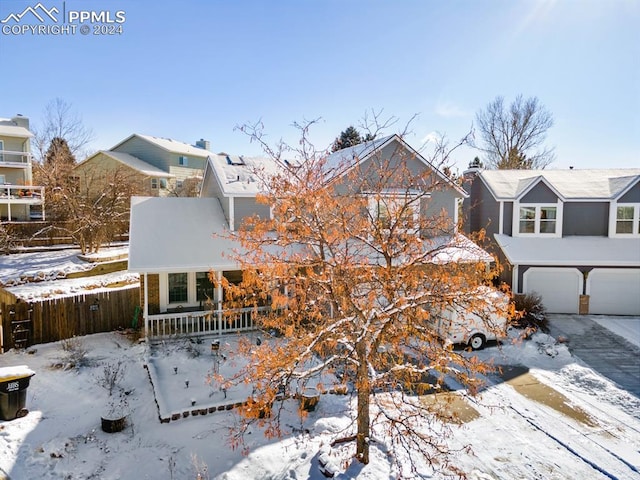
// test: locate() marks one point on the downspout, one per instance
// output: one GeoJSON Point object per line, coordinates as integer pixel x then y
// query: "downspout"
{"type": "Point", "coordinates": [514, 280]}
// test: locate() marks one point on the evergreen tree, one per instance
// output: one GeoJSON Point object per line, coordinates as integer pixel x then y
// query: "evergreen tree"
{"type": "Point", "coordinates": [349, 138]}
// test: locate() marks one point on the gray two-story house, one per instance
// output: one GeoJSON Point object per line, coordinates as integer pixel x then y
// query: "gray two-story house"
{"type": "Point", "coordinates": [572, 236]}
{"type": "Point", "coordinates": [176, 243]}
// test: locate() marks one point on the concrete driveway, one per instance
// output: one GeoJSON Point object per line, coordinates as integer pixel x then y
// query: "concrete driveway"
{"type": "Point", "coordinates": [607, 352]}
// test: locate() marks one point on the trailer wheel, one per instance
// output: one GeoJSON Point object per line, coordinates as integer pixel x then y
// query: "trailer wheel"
{"type": "Point", "coordinates": [477, 341]}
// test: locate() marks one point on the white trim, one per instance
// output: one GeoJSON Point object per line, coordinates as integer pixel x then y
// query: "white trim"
{"type": "Point", "coordinates": [514, 279]}
{"type": "Point", "coordinates": [516, 219]}
{"type": "Point", "coordinates": [232, 213]}
{"type": "Point", "coordinates": [613, 220]}
{"type": "Point", "coordinates": [501, 218]}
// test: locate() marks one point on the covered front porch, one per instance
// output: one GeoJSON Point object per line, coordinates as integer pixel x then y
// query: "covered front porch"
{"type": "Point", "coordinates": [184, 304]}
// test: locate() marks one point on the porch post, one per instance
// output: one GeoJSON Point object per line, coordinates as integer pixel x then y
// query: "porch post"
{"type": "Point", "coordinates": [219, 299]}
{"type": "Point", "coordinates": [146, 306]}
{"type": "Point", "coordinates": [514, 280]}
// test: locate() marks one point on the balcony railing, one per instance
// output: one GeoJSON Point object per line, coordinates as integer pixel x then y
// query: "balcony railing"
{"type": "Point", "coordinates": [21, 194]}
{"type": "Point", "coordinates": [211, 322]}
{"type": "Point", "coordinates": [11, 158]}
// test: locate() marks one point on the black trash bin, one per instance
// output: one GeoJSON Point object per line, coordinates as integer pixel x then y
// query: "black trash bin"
{"type": "Point", "coordinates": [14, 382]}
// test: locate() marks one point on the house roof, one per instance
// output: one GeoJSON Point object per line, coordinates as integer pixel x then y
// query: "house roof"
{"type": "Point", "coordinates": [340, 162]}
{"type": "Point", "coordinates": [574, 184]}
{"type": "Point", "coordinates": [241, 176]}
{"type": "Point", "coordinates": [571, 251]}
{"type": "Point", "coordinates": [173, 146]}
{"type": "Point", "coordinates": [176, 234]}
{"type": "Point", "coordinates": [132, 162]}
{"type": "Point", "coordinates": [8, 128]}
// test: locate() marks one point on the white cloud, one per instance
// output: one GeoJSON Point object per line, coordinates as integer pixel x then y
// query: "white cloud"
{"type": "Point", "coordinates": [451, 110]}
{"type": "Point", "coordinates": [431, 137]}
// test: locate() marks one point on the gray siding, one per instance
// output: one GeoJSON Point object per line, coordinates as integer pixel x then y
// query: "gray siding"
{"type": "Point", "coordinates": [540, 193]}
{"type": "Point", "coordinates": [585, 218]}
{"type": "Point", "coordinates": [481, 209]}
{"type": "Point", "coordinates": [507, 218]}
{"type": "Point", "coordinates": [245, 207]}
{"type": "Point", "coordinates": [210, 185]}
{"type": "Point", "coordinates": [146, 151]}
{"type": "Point", "coordinates": [632, 196]}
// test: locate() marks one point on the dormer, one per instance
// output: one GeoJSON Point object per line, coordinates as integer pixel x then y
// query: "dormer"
{"type": "Point", "coordinates": [624, 212]}
{"type": "Point", "coordinates": [538, 209]}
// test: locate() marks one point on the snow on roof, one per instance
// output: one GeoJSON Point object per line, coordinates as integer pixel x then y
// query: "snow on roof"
{"type": "Point", "coordinates": [137, 164]}
{"type": "Point", "coordinates": [176, 146]}
{"type": "Point", "coordinates": [339, 162]}
{"type": "Point", "coordinates": [8, 128]}
{"type": "Point", "coordinates": [170, 145]}
{"type": "Point", "coordinates": [240, 175]}
{"type": "Point", "coordinates": [574, 250]}
{"type": "Point", "coordinates": [170, 234]}
{"type": "Point", "coordinates": [15, 373]}
{"type": "Point", "coordinates": [459, 249]}
{"type": "Point", "coordinates": [570, 184]}
{"type": "Point", "coordinates": [343, 160]}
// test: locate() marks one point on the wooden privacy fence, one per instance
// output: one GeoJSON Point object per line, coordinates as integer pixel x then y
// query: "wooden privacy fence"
{"type": "Point", "coordinates": [27, 323]}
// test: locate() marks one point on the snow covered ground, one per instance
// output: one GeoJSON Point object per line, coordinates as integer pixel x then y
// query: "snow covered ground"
{"type": "Point", "coordinates": [547, 416]}
{"type": "Point", "coordinates": [39, 274]}
{"type": "Point", "coordinates": [573, 424]}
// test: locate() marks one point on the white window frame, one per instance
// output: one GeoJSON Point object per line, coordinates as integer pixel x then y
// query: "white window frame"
{"type": "Point", "coordinates": [154, 184]}
{"type": "Point", "coordinates": [183, 160]}
{"type": "Point", "coordinates": [3, 179]}
{"type": "Point", "coordinates": [537, 219]}
{"type": "Point", "coordinates": [404, 197]}
{"type": "Point", "coordinates": [192, 292]}
{"type": "Point", "coordinates": [613, 220]}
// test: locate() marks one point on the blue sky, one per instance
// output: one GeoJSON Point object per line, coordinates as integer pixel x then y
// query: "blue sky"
{"type": "Point", "coordinates": [196, 69]}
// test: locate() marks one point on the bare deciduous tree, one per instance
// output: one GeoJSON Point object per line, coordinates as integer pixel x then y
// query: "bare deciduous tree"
{"type": "Point", "coordinates": [61, 121]}
{"type": "Point", "coordinates": [513, 137]}
{"type": "Point", "coordinates": [358, 270]}
{"type": "Point", "coordinates": [96, 206]}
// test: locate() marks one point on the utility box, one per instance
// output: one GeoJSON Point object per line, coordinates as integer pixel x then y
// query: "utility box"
{"type": "Point", "coordinates": [14, 382]}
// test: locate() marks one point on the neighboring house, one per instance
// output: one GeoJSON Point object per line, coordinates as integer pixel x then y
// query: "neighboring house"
{"type": "Point", "coordinates": [180, 160]}
{"type": "Point", "coordinates": [572, 236]}
{"type": "Point", "coordinates": [20, 200]}
{"type": "Point", "coordinates": [146, 179]}
{"type": "Point", "coordinates": [176, 242]}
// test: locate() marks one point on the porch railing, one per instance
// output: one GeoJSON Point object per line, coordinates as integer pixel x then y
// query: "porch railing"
{"type": "Point", "coordinates": [211, 322]}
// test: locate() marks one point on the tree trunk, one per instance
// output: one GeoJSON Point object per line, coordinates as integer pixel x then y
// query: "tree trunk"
{"type": "Point", "coordinates": [364, 390]}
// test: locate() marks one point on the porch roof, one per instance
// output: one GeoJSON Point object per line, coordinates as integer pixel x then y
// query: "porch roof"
{"type": "Point", "coordinates": [183, 234]}
{"type": "Point", "coordinates": [571, 251]}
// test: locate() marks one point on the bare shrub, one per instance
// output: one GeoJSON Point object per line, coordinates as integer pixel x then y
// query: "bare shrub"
{"type": "Point", "coordinates": [112, 375]}
{"type": "Point", "coordinates": [75, 352]}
